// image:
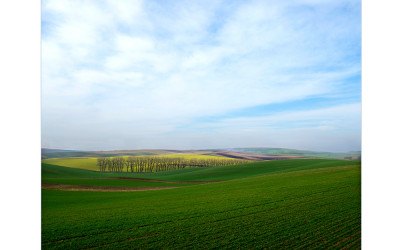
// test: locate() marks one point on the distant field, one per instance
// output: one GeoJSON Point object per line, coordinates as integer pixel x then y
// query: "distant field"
{"type": "Point", "coordinates": [90, 163]}
{"type": "Point", "coordinates": [240, 153]}
{"type": "Point", "coordinates": [51, 153]}
{"type": "Point", "coordinates": [300, 153]}
{"type": "Point", "coordinates": [309, 203]}
{"type": "Point", "coordinates": [46, 153]}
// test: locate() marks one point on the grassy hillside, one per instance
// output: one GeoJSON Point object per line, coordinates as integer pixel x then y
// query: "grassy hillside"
{"type": "Point", "coordinates": [250, 169]}
{"type": "Point", "coordinates": [205, 173]}
{"type": "Point", "coordinates": [54, 171]}
{"type": "Point", "coordinates": [310, 208]}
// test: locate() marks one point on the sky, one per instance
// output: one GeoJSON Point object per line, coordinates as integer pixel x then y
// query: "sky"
{"type": "Point", "coordinates": [201, 74]}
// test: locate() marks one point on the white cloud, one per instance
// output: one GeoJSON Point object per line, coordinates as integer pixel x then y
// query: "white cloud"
{"type": "Point", "coordinates": [125, 11]}
{"type": "Point", "coordinates": [156, 67]}
{"type": "Point", "coordinates": [334, 116]}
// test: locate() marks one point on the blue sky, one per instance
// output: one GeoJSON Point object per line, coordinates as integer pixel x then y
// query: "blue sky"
{"type": "Point", "coordinates": [201, 74]}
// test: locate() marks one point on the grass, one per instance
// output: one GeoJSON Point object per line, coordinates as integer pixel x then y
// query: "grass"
{"type": "Point", "coordinates": [204, 173]}
{"type": "Point", "coordinates": [249, 170]}
{"type": "Point", "coordinates": [283, 205]}
{"type": "Point", "coordinates": [90, 163]}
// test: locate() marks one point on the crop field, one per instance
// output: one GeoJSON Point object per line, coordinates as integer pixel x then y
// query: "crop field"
{"type": "Point", "coordinates": [295, 204]}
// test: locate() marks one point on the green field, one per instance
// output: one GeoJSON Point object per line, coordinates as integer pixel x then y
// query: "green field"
{"type": "Point", "coordinates": [308, 203]}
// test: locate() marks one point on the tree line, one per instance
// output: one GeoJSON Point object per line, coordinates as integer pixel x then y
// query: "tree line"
{"type": "Point", "coordinates": [150, 164]}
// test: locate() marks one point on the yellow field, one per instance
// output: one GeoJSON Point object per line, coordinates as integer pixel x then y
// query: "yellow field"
{"type": "Point", "coordinates": [192, 156]}
{"type": "Point", "coordinates": [90, 163]}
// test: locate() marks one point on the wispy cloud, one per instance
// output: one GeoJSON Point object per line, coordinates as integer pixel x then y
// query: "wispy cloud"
{"type": "Point", "coordinates": [134, 74]}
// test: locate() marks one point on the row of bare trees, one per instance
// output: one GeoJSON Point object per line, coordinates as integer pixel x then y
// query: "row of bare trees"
{"type": "Point", "coordinates": [149, 164]}
{"type": "Point", "coordinates": [114, 164]}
